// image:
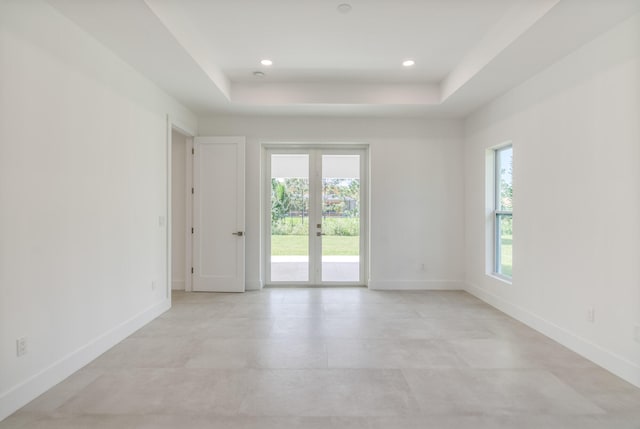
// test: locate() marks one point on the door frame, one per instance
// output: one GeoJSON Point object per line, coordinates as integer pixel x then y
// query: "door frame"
{"type": "Point", "coordinates": [329, 148]}
{"type": "Point", "coordinates": [177, 125]}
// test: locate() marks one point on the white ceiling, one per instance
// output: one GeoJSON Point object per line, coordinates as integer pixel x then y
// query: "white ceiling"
{"type": "Point", "coordinates": [467, 52]}
{"type": "Point", "coordinates": [310, 41]}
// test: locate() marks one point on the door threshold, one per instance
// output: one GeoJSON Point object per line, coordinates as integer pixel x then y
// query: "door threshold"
{"type": "Point", "coordinates": [313, 286]}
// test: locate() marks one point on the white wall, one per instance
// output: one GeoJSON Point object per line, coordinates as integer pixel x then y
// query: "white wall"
{"type": "Point", "coordinates": [575, 129]}
{"type": "Point", "coordinates": [416, 191]}
{"type": "Point", "coordinates": [178, 209]}
{"type": "Point", "coordinates": [83, 158]}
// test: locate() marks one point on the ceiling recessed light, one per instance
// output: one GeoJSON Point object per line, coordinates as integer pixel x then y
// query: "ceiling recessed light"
{"type": "Point", "coordinates": [258, 74]}
{"type": "Point", "coordinates": [266, 62]}
{"type": "Point", "coordinates": [344, 8]}
{"type": "Point", "coordinates": [408, 63]}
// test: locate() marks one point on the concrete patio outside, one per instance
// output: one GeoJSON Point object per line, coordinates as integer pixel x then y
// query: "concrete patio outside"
{"type": "Point", "coordinates": [334, 268]}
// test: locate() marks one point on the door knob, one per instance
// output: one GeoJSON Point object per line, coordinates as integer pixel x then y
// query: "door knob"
{"type": "Point", "coordinates": [239, 233]}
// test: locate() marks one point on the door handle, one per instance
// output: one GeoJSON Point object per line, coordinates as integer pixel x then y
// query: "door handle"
{"type": "Point", "coordinates": [239, 233]}
{"type": "Point", "coordinates": [320, 233]}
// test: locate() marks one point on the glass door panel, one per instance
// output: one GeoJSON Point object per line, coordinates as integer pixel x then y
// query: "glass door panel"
{"type": "Point", "coordinates": [339, 226]}
{"type": "Point", "coordinates": [289, 259]}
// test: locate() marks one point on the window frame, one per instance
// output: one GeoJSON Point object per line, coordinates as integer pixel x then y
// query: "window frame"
{"type": "Point", "coordinates": [498, 213]}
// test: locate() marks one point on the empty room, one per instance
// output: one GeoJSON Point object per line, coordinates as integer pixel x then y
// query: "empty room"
{"type": "Point", "coordinates": [249, 214]}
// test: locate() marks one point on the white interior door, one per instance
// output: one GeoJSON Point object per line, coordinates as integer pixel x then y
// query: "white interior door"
{"type": "Point", "coordinates": [218, 214]}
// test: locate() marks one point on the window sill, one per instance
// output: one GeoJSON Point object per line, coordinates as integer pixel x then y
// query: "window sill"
{"type": "Point", "coordinates": [501, 278]}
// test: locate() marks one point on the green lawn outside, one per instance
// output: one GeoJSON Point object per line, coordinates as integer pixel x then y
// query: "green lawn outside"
{"type": "Point", "coordinates": [298, 245]}
{"type": "Point", "coordinates": [507, 255]}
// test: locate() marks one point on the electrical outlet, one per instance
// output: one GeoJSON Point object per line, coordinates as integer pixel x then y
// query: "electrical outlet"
{"type": "Point", "coordinates": [423, 267]}
{"type": "Point", "coordinates": [153, 285]}
{"type": "Point", "coordinates": [591, 314]}
{"type": "Point", "coordinates": [636, 333]}
{"type": "Point", "coordinates": [21, 346]}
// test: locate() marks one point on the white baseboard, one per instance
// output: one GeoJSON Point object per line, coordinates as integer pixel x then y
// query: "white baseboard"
{"type": "Point", "coordinates": [253, 285]}
{"type": "Point", "coordinates": [23, 393]}
{"type": "Point", "coordinates": [415, 285]}
{"type": "Point", "coordinates": [612, 362]}
{"type": "Point", "coordinates": [177, 284]}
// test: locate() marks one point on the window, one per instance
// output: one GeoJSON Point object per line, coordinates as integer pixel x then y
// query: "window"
{"type": "Point", "coordinates": [503, 211]}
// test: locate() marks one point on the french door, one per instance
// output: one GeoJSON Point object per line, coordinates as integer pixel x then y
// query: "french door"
{"type": "Point", "coordinates": [315, 216]}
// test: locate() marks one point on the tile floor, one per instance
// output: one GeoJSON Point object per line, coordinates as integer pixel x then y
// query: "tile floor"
{"type": "Point", "coordinates": [335, 358]}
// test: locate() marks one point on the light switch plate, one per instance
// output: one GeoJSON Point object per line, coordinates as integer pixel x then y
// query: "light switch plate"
{"type": "Point", "coordinates": [21, 346]}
